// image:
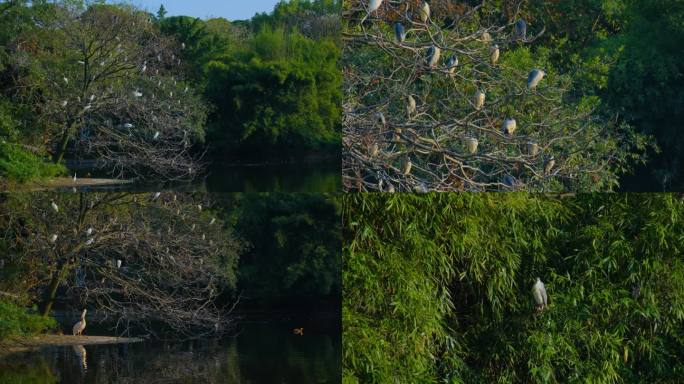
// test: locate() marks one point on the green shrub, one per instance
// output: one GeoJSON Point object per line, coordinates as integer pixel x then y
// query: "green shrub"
{"type": "Point", "coordinates": [20, 165]}
{"type": "Point", "coordinates": [16, 321]}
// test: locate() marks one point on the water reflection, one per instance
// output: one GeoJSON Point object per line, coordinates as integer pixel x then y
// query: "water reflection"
{"type": "Point", "coordinates": [260, 353]}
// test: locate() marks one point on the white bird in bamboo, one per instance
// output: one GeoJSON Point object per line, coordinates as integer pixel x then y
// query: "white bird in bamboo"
{"type": "Point", "coordinates": [535, 76]}
{"type": "Point", "coordinates": [424, 12]}
{"type": "Point", "coordinates": [53, 238]}
{"type": "Point", "coordinates": [54, 206]}
{"type": "Point", "coordinates": [539, 294]}
{"type": "Point", "coordinates": [182, 45]}
{"type": "Point", "coordinates": [78, 328]}
{"type": "Point", "coordinates": [479, 99]}
{"type": "Point", "coordinates": [494, 53]}
{"type": "Point", "coordinates": [118, 263]}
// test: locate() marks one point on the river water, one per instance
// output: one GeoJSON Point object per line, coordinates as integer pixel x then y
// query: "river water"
{"type": "Point", "coordinates": [260, 352]}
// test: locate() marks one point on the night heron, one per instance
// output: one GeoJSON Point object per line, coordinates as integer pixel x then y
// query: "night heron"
{"type": "Point", "coordinates": [424, 12]}
{"type": "Point", "coordinates": [373, 6]}
{"type": "Point", "coordinates": [479, 99]}
{"type": "Point", "coordinates": [521, 30]}
{"type": "Point", "coordinates": [78, 328]}
{"type": "Point", "coordinates": [532, 148]}
{"type": "Point", "coordinates": [494, 53]}
{"type": "Point", "coordinates": [472, 144]}
{"type": "Point", "coordinates": [539, 293]}
{"type": "Point", "coordinates": [87, 107]}
{"type": "Point", "coordinates": [486, 37]}
{"type": "Point", "coordinates": [406, 167]}
{"type": "Point", "coordinates": [533, 79]}
{"type": "Point", "coordinates": [410, 106]}
{"type": "Point", "coordinates": [548, 166]}
{"type": "Point", "coordinates": [399, 32]}
{"type": "Point", "coordinates": [452, 63]}
{"type": "Point", "coordinates": [509, 126]}
{"type": "Point", "coordinates": [433, 55]}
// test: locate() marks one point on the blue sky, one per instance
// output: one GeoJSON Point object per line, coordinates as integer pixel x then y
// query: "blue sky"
{"type": "Point", "coordinates": [229, 9]}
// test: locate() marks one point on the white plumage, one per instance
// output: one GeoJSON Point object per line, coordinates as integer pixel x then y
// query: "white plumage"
{"type": "Point", "coordinates": [424, 12]}
{"type": "Point", "coordinates": [54, 206]}
{"type": "Point", "coordinates": [539, 293]}
{"type": "Point", "coordinates": [374, 5]}
{"type": "Point", "coordinates": [80, 326]}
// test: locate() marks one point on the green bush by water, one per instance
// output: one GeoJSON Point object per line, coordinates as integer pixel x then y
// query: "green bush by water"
{"type": "Point", "coordinates": [16, 321]}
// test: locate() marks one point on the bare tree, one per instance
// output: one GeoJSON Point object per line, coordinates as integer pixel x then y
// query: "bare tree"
{"type": "Point", "coordinates": [445, 105]}
{"type": "Point", "coordinates": [139, 260]}
{"type": "Point", "coordinates": [107, 82]}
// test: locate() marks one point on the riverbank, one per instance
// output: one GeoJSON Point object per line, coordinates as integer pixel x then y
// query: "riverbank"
{"type": "Point", "coordinates": [23, 344]}
{"type": "Point", "coordinates": [59, 183]}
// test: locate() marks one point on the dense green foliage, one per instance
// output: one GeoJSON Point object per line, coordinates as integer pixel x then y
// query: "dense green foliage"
{"type": "Point", "coordinates": [438, 288]}
{"type": "Point", "coordinates": [16, 321]}
{"type": "Point", "coordinates": [294, 245]}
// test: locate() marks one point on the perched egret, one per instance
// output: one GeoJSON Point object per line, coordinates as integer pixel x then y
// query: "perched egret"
{"type": "Point", "coordinates": [433, 55]}
{"type": "Point", "coordinates": [144, 68]}
{"type": "Point", "coordinates": [472, 144]}
{"type": "Point", "coordinates": [424, 12]}
{"type": "Point", "coordinates": [533, 79]}
{"type": "Point", "coordinates": [186, 90]}
{"type": "Point", "coordinates": [494, 53]}
{"type": "Point", "coordinates": [410, 106]}
{"type": "Point", "coordinates": [479, 99]}
{"type": "Point", "coordinates": [452, 63]}
{"type": "Point", "coordinates": [399, 32]}
{"type": "Point", "coordinates": [53, 238]}
{"type": "Point", "coordinates": [192, 228]}
{"type": "Point", "coordinates": [532, 149]}
{"type": "Point", "coordinates": [213, 220]}
{"type": "Point", "coordinates": [137, 93]}
{"type": "Point", "coordinates": [128, 125]}
{"type": "Point", "coordinates": [199, 207]}
{"type": "Point", "coordinates": [74, 177]}
{"type": "Point", "coordinates": [81, 62]}
{"type": "Point", "coordinates": [87, 107]}
{"type": "Point", "coordinates": [521, 30]}
{"type": "Point", "coordinates": [66, 81]}
{"type": "Point", "coordinates": [78, 328]}
{"type": "Point", "coordinates": [118, 263]}
{"type": "Point", "coordinates": [204, 237]}
{"type": "Point", "coordinates": [182, 45]}
{"type": "Point", "coordinates": [89, 231]}
{"type": "Point", "coordinates": [90, 241]}
{"type": "Point", "coordinates": [509, 126]}
{"type": "Point", "coordinates": [54, 206]}
{"type": "Point", "coordinates": [406, 167]}
{"type": "Point", "coordinates": [92, 97]}
{"type": "Point", "coordinates": [539, 294]}
{"type": "Point", "coordinates": [548, 166]}
{"type": "Point", "coordinates": [156, 196]}
{"type": "Point", "coordinates": [156, 135]}
{"type": "Point", "coordinates": [64, 103]}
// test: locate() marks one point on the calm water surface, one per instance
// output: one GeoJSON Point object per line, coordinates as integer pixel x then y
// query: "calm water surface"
{"type": "Point", "coordinates": [313, 176]}
{"type": "Point", "coordinates": [262, 352]}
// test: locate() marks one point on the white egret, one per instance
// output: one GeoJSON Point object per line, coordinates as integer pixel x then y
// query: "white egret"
{"type": "Point", "coordinates": [53, 238]}
{"type": "Point", "coordinates": [74, 177]}
{"type": "Point", "coordinates": [410, 106]}
{"type": "Point", "coordinates": [64, 103]}
{"type": "Point", "coordinates": [66, 81]}
{"type": "Point", "coordinates": [128, 125]}
{"type": "Point", "coordinates": [494, 53]}
{"type": "Point", "coordinates": [54, 206]}
{"type": "Point", "coordinates": [199, 207]}
{"type": "Point", "coordinates": [509, 126]}
{"type": "Point", "coordinates": [533, 79]}
{"type": "Point", "coordinates": [87, 107]}
{"type": "Point", "coordinates": [424, 12]}
{"type": "Point", "coordinates": [78, 328]}
{"type": "Point", "coordinates": [433, 54]}
{"type": "Point", "coordinates": [118, 263]}
{"type": "Point", "coordinates": [171, 94]}
{"type": "Point", "coordinates": [182, 45]}
{"type": "Point", "coordinates": [186, 90]}
{"type": "Point", "coordinates": [81, 62]}
{"type": "Point", "coordinates": [89, 231]}
{"type": "Point", "coordinates": [92, 97]}
{"type": "Point", "coordinates": [90, 241]}
{"type": "Point", "coordinates": [192, 228]}
{"type": "Point", "coordinates": [137, 93]}
{"type": "Point", "coordinates": [156, 196]}
{"type": "Point", "coordinates": [156, 135]}
{"type": "Point", "coordinates": [472, 144]}
{"type": "Point", "coordinates": [479, 99]}
{"type": "Point", "coordinates": [204, 237]}
{"type": "Point", "coordinates": [539, 294]}
{"type": "Point", "coordinates": [399, 32]}
{"type": "Point", "coordinates": [213, 220]}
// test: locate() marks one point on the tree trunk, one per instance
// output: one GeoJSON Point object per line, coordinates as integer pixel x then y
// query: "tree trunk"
{"type": "Point", "coordinates": [51, 293]}
{"type": "Point", "coordinates": [63, 142]}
